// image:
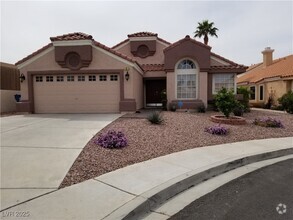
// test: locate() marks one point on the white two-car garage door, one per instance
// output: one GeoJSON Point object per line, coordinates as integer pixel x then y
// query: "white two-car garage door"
{"type": "Point", "coordinates": [86, 93]}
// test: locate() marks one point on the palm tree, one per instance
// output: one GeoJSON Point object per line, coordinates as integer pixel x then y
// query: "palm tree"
{"type": "Point", "coordinates": [205, 28]}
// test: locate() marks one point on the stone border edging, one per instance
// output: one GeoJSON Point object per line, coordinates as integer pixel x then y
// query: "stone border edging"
{"type": "Point", "coordinates": [150, 200]}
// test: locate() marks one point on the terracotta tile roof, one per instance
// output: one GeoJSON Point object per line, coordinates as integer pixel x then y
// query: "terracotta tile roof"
{"type": "Point", "coordinates": [143, 34]}
{"type": "Point", "coordinates": [34, 53]}
{"type": "Point", "coordinates": [152, 67]}
{"type": "Point", "coordinates": [139, 33]}
{"type": "Point", "coordinates": [187, 38]}
{"type": "Point", "coordinates": [72, 36]}
{"type": "Point", "coordinates": [233, 66]}
{"type": "Point", "coordinates": [282, 68]}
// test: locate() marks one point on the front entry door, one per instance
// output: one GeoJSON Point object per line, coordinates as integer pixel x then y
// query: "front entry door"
{"type": "Point", "coordinates": [153, 92]}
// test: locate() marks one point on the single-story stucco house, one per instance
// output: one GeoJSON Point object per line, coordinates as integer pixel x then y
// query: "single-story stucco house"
{"type": "Point", "coordinates": [271, 78]}
{"type": "Point", "coordinates": [76, 74]}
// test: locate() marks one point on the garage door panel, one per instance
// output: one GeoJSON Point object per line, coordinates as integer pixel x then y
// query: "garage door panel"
{"type": "Point", "coordinates": [77, 97]}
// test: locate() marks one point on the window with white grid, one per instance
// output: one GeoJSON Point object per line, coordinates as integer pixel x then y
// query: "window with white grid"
{"type": "Point", "coordinates": [39, 79]}
{"type": "Point", "coordinates": [113, 77]}
{"type": "Point", "coordinates": [226, 80]}
{"type": "Point", "coordinates": [70, 78]}
{"type": "Point", "coordinates": [60, 78]}
{"type": "Point", "coordinates": [49, 78]}
{"type": "Point", "coordinates": [186, 77]}
{"type": "Point", "coordinates": [81, 78]}
{"type": "Point", "coordinates": [103, 77]}
{"type": "Point", "coordinates": [92, 78]}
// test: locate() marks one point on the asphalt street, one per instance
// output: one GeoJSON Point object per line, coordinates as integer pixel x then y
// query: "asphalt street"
{"type": "Point", "coordinates": [265, 194]}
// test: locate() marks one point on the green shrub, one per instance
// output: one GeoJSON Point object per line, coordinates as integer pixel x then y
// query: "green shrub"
{"type": "Point", "coordinates": [201, 109]}
{"type": "Point", "coordinates": [244, 91]}
{"type": "Point", "coordinates": [287, 102]}
{"type": "Point", "coordinates": [155, 118]}
{"type": "Point", "coordinates": [225, 101]}
{"type": "Point", "coordinates": [172, 107]}
{"type": "Point", "coordinates": [238, 110]}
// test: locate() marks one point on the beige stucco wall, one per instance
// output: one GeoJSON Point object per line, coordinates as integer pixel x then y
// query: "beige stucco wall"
{"type": "Point", "coordinates": [276, 88]}
{"type": "Point", "coordinates": [100, 60]}
{"type": "Point", "coordinates": [203, 87]}
{"type": "Point", "coordinates": [138, 90]}
{"type": "Point", "coordinates": [161, 74]}
{"type": "Point", "coordinates": [157, 58]}
{"type": "Point", "coordinates": [7, 100]}
{"type": "Point", "coordinates": [171, 86]}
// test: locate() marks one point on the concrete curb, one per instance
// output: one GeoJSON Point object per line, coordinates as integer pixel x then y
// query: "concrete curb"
{"type": "Point", "coordinates": [150, 200]}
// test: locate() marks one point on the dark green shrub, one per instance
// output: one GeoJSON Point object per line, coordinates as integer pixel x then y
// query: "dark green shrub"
{"type": "Point", "coordinates": [286, 102]}
{"type": "Point", "coordinates": [155, 118]}
{"type": "Point", "coordinates": [238, 110]}
{"type": "Point", "coordinates": [201, 109]}
{"type": "Point", "coordinates": [244, 91]}
{"type": "Point", "coordinates": [164, 99]}
{"type": "Point", "coordinates": [172, 107]}
{"type": "Point", "coordinates": [225, 101]}
{"type": "Point", "coordinates": [269, 103]}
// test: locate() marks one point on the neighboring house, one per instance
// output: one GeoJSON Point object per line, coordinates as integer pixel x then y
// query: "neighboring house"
{"type": "Point", "coordinates": [10, 86]}
{"type": "Point", "coordinates": [271, 78]}
{"type": "Point", "coordinates": [76, 74]}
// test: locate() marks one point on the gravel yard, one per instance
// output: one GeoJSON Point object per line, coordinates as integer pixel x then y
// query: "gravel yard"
{"type": "Point", "coordinates": [180, 131]}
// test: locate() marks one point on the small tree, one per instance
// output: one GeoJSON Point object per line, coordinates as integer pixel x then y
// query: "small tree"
{"type": "Point", "coordinates": [225, 101]}
{"type": "Point", "coordinates": [287, 102]}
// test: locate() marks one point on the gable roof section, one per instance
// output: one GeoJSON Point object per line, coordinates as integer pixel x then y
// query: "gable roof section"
{"type": "Point", "coordinates": [282, 67]}
{"type": "Point", "coordinates": [186, 38]}
{"type": "Point", "coordinates": [232, 65]}
{"type": "Point", "coordinates": [77, 36]}
{"type": "Point", "coordinates": [72, 36]}
{"type": "Point", "coordinates": [141, 34]}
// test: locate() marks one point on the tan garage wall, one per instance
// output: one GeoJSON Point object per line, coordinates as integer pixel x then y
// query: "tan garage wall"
{"type": "Point", "coordinates": [138, 90]}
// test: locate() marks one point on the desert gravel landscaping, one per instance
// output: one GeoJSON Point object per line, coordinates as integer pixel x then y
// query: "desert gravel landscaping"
{"type": "Point", "coordinates": [180, 131]}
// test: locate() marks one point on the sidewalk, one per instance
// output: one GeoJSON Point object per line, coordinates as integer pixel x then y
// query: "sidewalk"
{"type": "Point", "coordinates": [115, 194]}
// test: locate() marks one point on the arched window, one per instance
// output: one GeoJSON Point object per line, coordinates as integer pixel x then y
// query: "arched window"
{"type": "Point", "coordinates": [186, 80]}
{"type": "Point", "coordinates": [186, 64]}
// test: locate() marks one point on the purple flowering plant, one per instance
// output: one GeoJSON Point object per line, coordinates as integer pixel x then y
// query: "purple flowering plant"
{"type": "Point", "coordinates": [112, 139]}
{"type": "Point", "coordinates": [268, 122]}
{"type": "Point", "coordinates": [217, 129]}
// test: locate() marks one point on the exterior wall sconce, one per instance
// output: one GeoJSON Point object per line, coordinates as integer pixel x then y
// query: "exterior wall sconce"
{"type": "Point", "coordinates": [127, 74]}
{"type": "Point", "coordinates": [22, 77]}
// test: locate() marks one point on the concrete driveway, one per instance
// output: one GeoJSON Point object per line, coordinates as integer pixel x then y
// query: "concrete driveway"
{"type": "Point", "coordinates": [38, 150]}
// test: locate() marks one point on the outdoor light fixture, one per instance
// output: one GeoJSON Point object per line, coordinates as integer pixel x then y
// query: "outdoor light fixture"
{"type": "Point", "coordinates": [126, 74]}
{"type": "Point", "coordinates": [22, 77]}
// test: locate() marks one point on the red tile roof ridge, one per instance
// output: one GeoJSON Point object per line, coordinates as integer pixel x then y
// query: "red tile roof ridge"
{"type": "Point", "coordinates": [34, 53]}
{"type": "Point", "coordinates": [143, 34]}
{"type": "Point", "coordinates": [126, 40]}
{"type": "Point", "coordinates": [72, 36]}
{"type": "Point", "coordinates": [187, 37]}
{"type": "Point", "coordinates": [153, 67]}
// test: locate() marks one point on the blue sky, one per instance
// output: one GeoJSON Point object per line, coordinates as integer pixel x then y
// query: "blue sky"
{"type": "Point", "coordinates": [245, 27]}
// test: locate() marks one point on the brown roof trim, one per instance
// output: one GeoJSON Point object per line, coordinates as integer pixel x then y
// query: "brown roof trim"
{"type": "Point", "coordinates": [186, 38]}
{"type": "Point", "coordinates": [122, 42]}
{"type": "Point", "coordinates": [153, 67]}
{"type": "Point", "coordinates": [126, 40]}
{"type": "Point", "coordinates": [225, 59]}
{"type": "Point", "coordinates": [143, 34]}
{"type": "Point", "coordinates": [72, 36]}
{"type": "Point", "coordinates": [102, 46]}
{"type": "Point", "coordinates": [34, 53]}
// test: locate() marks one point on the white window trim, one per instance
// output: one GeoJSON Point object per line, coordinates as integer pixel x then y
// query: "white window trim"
{"type": "Point", "coordinates": [263, 92]}
{"type": "Point", "coordinates": [185, 70]}
{"type": "Point", "coordinates": [213, 82]}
